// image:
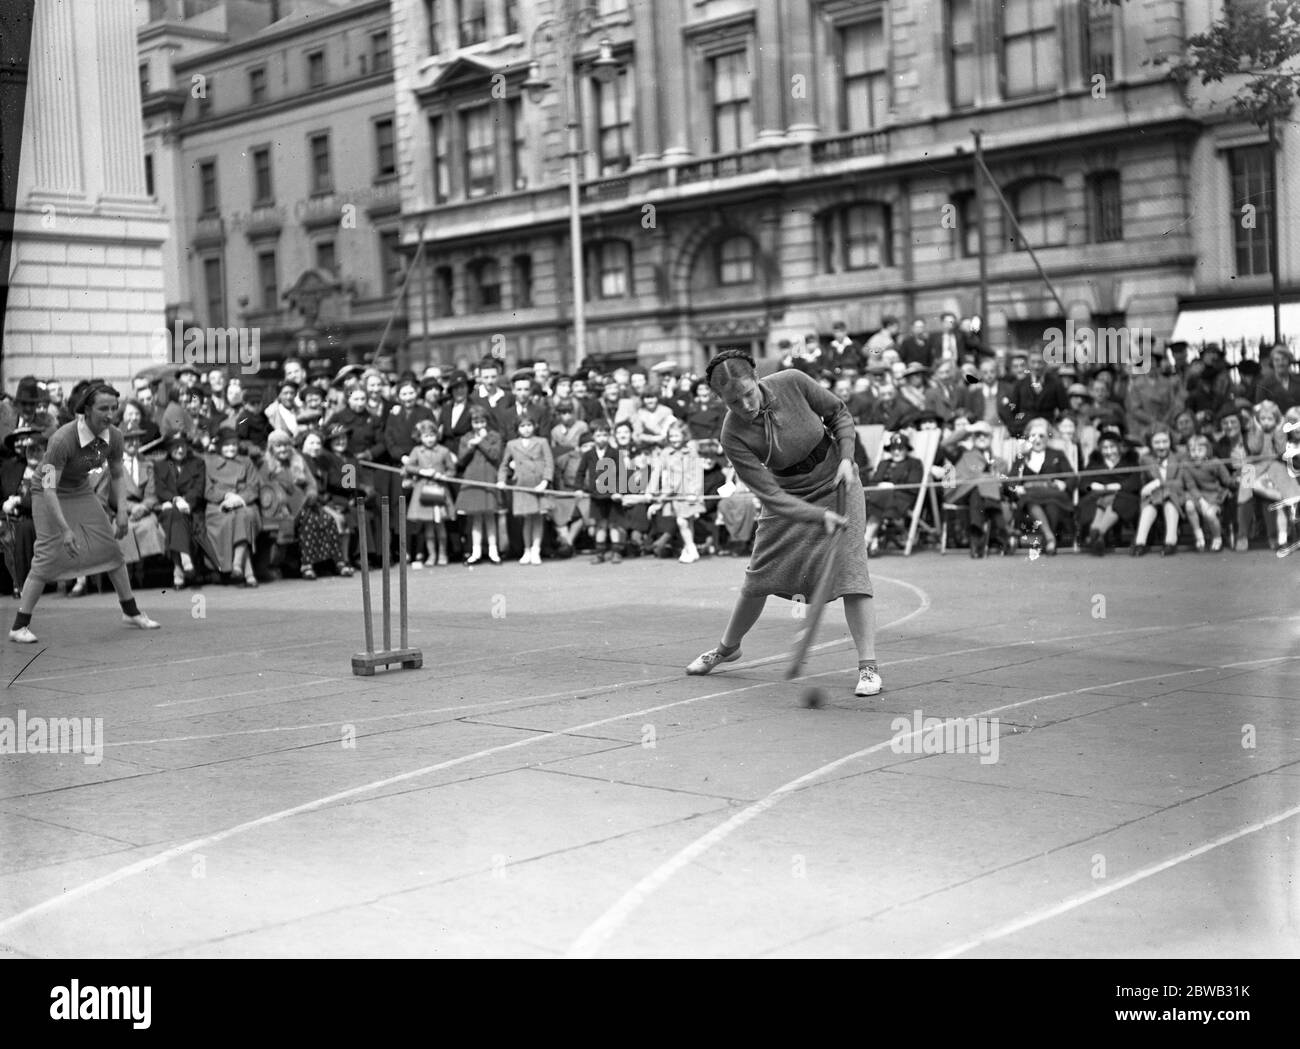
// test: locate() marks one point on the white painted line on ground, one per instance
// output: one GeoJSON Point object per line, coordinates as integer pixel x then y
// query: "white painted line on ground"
{"type": "Point", "coordinates": [1074, 902]}
{"type": "Point", "coordinates": [139, 867]}
{"type": "Point", "coordinates": [596, 935]}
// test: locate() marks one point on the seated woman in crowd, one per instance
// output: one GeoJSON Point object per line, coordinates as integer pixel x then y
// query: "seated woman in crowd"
{"type": "Point", "coordinates": [1163, 492]}
{"type": "Point", "coordinates": [133, 418]}
{"type": "Point", "coordinates": [1111, 495]}
{"type": "Point", "coordinates": [632, 479]}
{"type": "Point", "coordinates": [1066, 441]}
{"type": "Point", "coordinates": [336, 472]}
{"type": "Point", "coordinates": [179, 482]}
{"type": "Point", "coordinates": [1049, 501]}
{"type": "Point", "coordinates": [282, 413]}
{"type": "Point", "coordinates": [144, 536]}
{"type": "Point", "coordinates": [978, 489]}
{"type": "Point", "coordinates": [231, 518]}
{"type": "Point", "coordinates": [290, 504]}
{"type": "Point", "coordinates": [738, 509]}
{"type": "Point", "coordinates": [1206, 484]}
{"type": "Point", "coordinates": [26, 447]}
{"type": "Point", "coordinates": [899, 467]}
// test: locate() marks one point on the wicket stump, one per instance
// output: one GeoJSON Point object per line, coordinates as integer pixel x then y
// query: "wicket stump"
{"type": "Point", "coordinates": [364, 663]}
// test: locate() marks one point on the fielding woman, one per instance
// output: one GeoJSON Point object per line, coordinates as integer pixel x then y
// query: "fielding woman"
{"type": "Point", "coordinates": [74, 536]}
{"type": "Point", "coordinates": [791, 442]}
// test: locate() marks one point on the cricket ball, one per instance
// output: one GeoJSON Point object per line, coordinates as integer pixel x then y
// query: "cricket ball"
{"type": "Point", "coordinates": [813, 698]}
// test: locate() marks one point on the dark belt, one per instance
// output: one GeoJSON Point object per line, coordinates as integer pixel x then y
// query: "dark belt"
{"type": "Point", "coordinates": [811, 463]}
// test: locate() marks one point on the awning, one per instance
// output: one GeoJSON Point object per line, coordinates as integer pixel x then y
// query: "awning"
{"type": "Point", "coordinates": [1235, 324]}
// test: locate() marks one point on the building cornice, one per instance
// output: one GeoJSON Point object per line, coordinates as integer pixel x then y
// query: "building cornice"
{"type": "Point", "coordinates": [281, 105]}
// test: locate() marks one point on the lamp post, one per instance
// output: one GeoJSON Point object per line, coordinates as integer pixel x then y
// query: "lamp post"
{"type": "Point", "coordinates": [564, 34]}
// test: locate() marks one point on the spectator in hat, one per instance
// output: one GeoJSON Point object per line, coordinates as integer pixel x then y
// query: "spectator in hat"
{"type": "Point", "coordinates": [145, 536]}
{"type": "Point", "coordinates": [1111, 495]}
{"type": "Point", "coordinates": [888, 409]}
{"type": "Point", "coordinates": [337, 472]}
{"type": "Point", "coordinates": [885, 500]}
{"type": "Point", "coordinates": [187, 377]}
{"type": "Point", "coordinates": [913, 389]}
{"type": "Point", "coordinates": [179, 483]}
{"type": "Point", "coordinates": [1280, 386]}
{"type": "Point", "coordinates": [231, 517]}
{"type": "Point", "coordinates": [18, 474]}
{"type": "Point", "coordinates": [28, 411]}
{"type": "Point", "coordinates": [1042, 485]}
{"type": "Point", "coordinates": [1244, 389]}
{"type": "Point", "coordinates": [453, 413]}
{"type": "Point", "coordinates": [977, 490]}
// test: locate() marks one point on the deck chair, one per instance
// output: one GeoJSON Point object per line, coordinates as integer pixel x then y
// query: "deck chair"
{"type": "Point", "coordinates": [925, 445]}
{"type": "Point", "coordinates": [873, 441]}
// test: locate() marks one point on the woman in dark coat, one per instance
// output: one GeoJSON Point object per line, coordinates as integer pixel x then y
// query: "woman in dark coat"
{"type": "Point", "coordinates": [896, 467]}
{"type": "Point", "coordinates": [1047, 502]}
{"type": "Point", "coordinates": [791, 441]}
{"type": "Point", "coordinates": [179, 482]}
{"type": "Point", "coordinates": [16, 477]}
{"type": "Point", "coordinates": [365, 441]}
{"type": "Point", "coordinates": [1111, 493]}
{"type": "Point", "coordinates": [231, 517]}
{"type": "Point", "coordinates": [399, 441]}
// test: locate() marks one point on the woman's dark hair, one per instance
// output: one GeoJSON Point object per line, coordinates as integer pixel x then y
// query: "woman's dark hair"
{"type": "Point", "coordinates": [727, 371]}
{"type": "Point", "coordinates": [86, 398]}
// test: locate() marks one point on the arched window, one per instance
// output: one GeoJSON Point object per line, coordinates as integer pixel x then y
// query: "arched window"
{"type": "Point", "coordinates": [856, 237]}
{"type": "Point", "coordinates": [1039, 206]}
{"type": "Point", "coordinates": [735, 261]}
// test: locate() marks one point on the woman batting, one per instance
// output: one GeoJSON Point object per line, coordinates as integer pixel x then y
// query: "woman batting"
{"type": "Point", "coordinates": [74, 536]}
{"type": "Point", "coordinates": [776, 435]}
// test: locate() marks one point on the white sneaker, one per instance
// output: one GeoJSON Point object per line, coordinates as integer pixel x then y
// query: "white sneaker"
{"type": "Point", "coordinates": [689, 557]}
{"type": "Point", "coordinates": [868, 683]}
{"type": "Point", "coordinates": [22, 635]}
{"type": "Point", "coordinates": [142, 621]}
{"type": "Point", "coordinates": [703, 664]}
{"type": "Point", "coordinates": [416, 565]}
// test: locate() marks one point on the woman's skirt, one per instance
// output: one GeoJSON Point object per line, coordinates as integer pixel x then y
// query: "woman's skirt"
{"type": "Point", "coordinates": [417, 511]}
{"type": "Point", "coordinates": [227, 528]}
{"type": "Point", "coordinates": [1045, 494]}
{"type": "Point", "coordinates": [474, 500]}
{"type": "Point", "coordinates": [97, 548]}
{"type": "Point", "coordinates": [1125, 505]}
{"type": "Point", "coordinates": [318, 536]}
{"type": "Point", "coordinates": [791, 556]}
{"type": "Point", "coordinates": [524, 503]}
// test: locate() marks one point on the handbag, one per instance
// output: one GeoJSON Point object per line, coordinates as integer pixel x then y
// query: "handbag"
{"type": "Point", "coordinates": [433, 493]}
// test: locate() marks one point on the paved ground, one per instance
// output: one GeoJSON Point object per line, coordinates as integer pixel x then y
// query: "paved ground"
{"type": "Point", "coordinates": [550, 783]}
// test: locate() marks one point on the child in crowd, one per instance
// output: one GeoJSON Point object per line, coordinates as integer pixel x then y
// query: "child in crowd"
{"type": "Point", "coordinates": [633, 477]}
{"type": "Point", "coordinates": [597, 474]}
{"type": "Point", "coordinates": [677, 484]}
{"type": "Point", "coordinates": [1206, 484]}
{"type": "Point", "coordinates": [428, 461]}
{"type": "Point", "coordinates": [478, 459]}
{"type": "Point", "coordinates": [529, 458]}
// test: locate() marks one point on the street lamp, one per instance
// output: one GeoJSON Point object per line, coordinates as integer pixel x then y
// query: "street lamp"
{"type": "Point", "coordinates": [565, 33]}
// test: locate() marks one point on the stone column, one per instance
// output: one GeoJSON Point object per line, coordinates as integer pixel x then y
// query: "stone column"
{"type": "Point", "coordinates": [769, 71]}
{"type": "Point", "coordinates": [802, 115]}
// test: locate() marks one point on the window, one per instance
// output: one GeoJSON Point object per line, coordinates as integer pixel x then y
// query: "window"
{"type": "Point", "coordinates": [735, 261]}
{"type": "Point", "coordinates": [1039, 207]}
{"type": "Point", "coordinates": [856, 237]}
{"type": "Point", "coordinates": [263, 192]}
{"type": "Point", "coordinates": [1251, 186]}
{"type": "Point", "coordinates": [614, 125]}
{"type": "Point", "coordinates": [390, 260]}
{"type": "Point", "coordinates": [431, 14]}
{"type": "Point", "coordinates": [144, 79]}
{"type": "Point", "coordinates": [322, 179]}
{"type": "Point", "coordinates": [325, 256]}
{"type": "Point", "coordinates": [480, 151]}
{"type": "Point", "coordinates": [441, 165]}
{"type": "Point", "coordinates": [733, 125]}
{"type": "Point", "coordinates": [385, 149]}
{"type": "Point", "coordinates": [257, 85]}
{"type": "Point", "coordinates": [1098, 40]}
{"type": "Point", "coordinates": [473, 22]}
{"type": "Point", "coordinates": [608, 269]}
{"type": "Point", "coordinates": [316, 69]}
{"type": "Point", "coordinates": [1029, 61]}
{"type": "Point", "coordinates": [965, 232]}
{"type": "Point", "coordinates": [267, 280]}
{"type": "Point", "coordinates": [443, 283]}
{"type": "Point", "coordinates": [865, 84]}
{"type": "Point", "coordinates": [484, 285]}
{"type": "Point", "coordinates": [208, 203]}
{"type": "Point", "coordinates": [381, 56]}
{"type": "Point", "coordinates": [1105, 213]}
{"type": "Point", "coordinates": [148, 174]}
{"type": "Point", "coordinates": [214, 292]}
{"type": "Point", "coordinates": [512, 16]}
{"type": "Point", "coordinates": [521, 279]}
{"type": "Point", "coordinates": [518, 143]}
{"type": "Point", "coordinates": [961, 53]}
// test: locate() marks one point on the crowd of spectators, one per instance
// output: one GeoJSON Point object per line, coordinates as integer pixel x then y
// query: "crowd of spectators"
{"type": "Point", "coordinates": [229, 481]}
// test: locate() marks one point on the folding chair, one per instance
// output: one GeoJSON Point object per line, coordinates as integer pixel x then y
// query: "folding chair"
{"type": "Point", "coordinates": [925, 445]}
